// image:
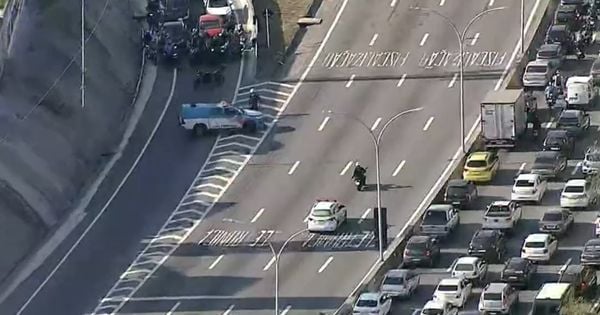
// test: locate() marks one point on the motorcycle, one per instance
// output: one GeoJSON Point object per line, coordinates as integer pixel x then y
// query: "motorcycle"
{"type": "Point", "coordinates": [550, 97]}
{"type": "Point", "coordinates": [360, 181]}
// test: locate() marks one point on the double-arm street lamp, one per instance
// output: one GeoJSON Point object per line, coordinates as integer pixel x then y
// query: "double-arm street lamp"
{"type": "Point", "coordinates": [461, 36]}
{"type": "Point", "coordinates": [277, 256]}
{"type": "Point", "coordinates": [376, 141]}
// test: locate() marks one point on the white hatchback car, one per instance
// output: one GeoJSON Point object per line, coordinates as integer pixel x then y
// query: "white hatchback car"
{"type": "Point", "coordinates": [326, 216]}
{"type": "Point", "coordinates": [539, 247]}
{"type": "Point", "coordinates": [470, 268]}
{"type": "Point", "coordinates": [453, 291]}
{"type": "Point", "coordinates": [528, 187]}
{"type": "Point", "coordinates": [438, 307]}
{"type": "Point", "coordinates": [578, 193]}
{"type": "Point", "coordinates": [372, 303]}
{"type": "Point", "coordinates": [218, 7]}
{"type": "Point", "coordinates": [502, 215]}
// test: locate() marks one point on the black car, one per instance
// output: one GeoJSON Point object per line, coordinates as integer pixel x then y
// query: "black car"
{"type": "Point", "coordinates": [583, 279]}
{"type": "Point", "coordinates": [567, 14]}
{"type": "Point", "coordinates": [460, 192]}
{"type": "Point", "coordinates": [175, 9]}
{"type": "Point", "coordinates": [421, 250]}
{"type": "Point", "coordinates": [590, 256]}
{"type": "Point", "coordinates": [563, 35]}
{"type": "Point", "coordinates": [518, 272]}
{"type": "Point", "coordinates": [489, 245]}
{"type": "Point", "coordinates": [174, 40]}
{"type": "Point", "coordinates": [559, 140]}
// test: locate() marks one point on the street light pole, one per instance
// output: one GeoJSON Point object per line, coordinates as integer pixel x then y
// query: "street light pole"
{"type": "Point", "coordinates": [461, 35]}
{"type": "Point", "coordinates": [522, 27]}
{"type": "Point", "coordinates": [276, 256]}
{"type": "Point", "coordinates": [376, 141]}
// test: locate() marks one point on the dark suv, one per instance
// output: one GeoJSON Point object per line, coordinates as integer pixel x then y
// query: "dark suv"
{"type": "Point", "coordinates": [489, 245]}
{"type": "Point", "coordinates": [559, 140]}
{"type": "Point", "coordinates": [518, 272]}
{"type": "Point", "coordinates": [421, 250]}
{"type": "Point", "coordinates": [460, 193]}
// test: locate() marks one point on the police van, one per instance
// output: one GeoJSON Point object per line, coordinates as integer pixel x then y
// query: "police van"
{"type": "Point", "coordinates": [204, 117]}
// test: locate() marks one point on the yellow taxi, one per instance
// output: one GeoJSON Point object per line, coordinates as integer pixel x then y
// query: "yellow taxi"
{"type": "Point", "coordinates": [481, 166]}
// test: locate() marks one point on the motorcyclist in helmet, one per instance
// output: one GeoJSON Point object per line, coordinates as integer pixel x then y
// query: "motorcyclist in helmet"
{"type": "Point", "coordinates": [359, 173]}
{"type": "Point", "coordinates": [253, 99]}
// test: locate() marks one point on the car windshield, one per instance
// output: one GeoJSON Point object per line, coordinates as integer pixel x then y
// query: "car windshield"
{"type": "Point", "coordinates": [573, 189]}
{"type": "Point", "coordinates": [556, 34]}
{"type": "Point", "coordinates": [456, 191]}
{"type": "Point", "coordinates": [432, 311]}
{"type": "Point", "coordinates": [535, 244]}
{"type": "Point", "coordinates": [476, 163]}
{"type": "Point", "coordinates": [515, 264]}
{"type": "Point", "coordinates": [564, 16]}
{"type": "Point", "coordinates": [568, 121]}
{"type": "Point", "coordinates": [433, 217]}
{"type": "Point", "coordinates": [447, 288]}
{"type": "Point", "coordinates": [552, 216]}
{"type": "Point", "coordinates": [492, 296]}
{"type": "Point", "coordinates": [218, 3]}
{"type": "Point", "coordinates": [592, 157]}
{"type": "Point", "coordinates": [321, 212]}
{"type": "Point", "coordinates": [536, 69]}
{"type": "Point", "coordinates": [463, 267]}
{"type": "Point", "coordinates": [498, 211]}
{"type": "Point", "coordinates": [524, 183]}
{"type": "Point", "coordinates": [393, 280]}
{"type": "Point", "coordinates": [549, 53]}
{"type": "Point", "coordinates": [544, 160]}
{"type": "Point", "coordinates": [366, 303]}
{"type": "Point", "coordinates": [554, 138]}
{"type": "Point", "coordinates": [481, 241]}
{"type": "Point", "coordinates": [416, 247]}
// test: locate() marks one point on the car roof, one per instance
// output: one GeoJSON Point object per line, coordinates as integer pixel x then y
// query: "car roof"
{"type": "Point", "coordinates": [517, 261]}
{"type": "Point", "coordinates": [549, 47]}
{"type": "Point", "coordinates": [450, 281]}
{"type": "Point", "coordinates": [552, 291]}
{"type": "Point", "coordinates": [440, 207]}
{"type": "Point", "coordinates": [467, 260]}
{"type": "Point", "coordinates": [485, 233]}
{"type": "Point", "coordinates": [369, 296]}
{"type": "Point", "coordinates": [479, 156]}
{"type": "Point", "coordinates": [576, 182]}
{"type": "Point", "coordinates": [500, 203]}
{"type": "Point", "coordinates": [527, 176]}
{"type": "Point", "coordinates": [570, 113]}
{"type": "Point", "coordinates": [397, 273]}
{"type": "Point", "coordinates": [538, 62]}
{"type": "Point", "coordinates": [567, 7]}
{"type": "Point", "coordinates": [434, 304]}
{"type": "Point", "coordinates": [547, 154]}
{"type": "Point", "coordinates": [537, 237]}
{"type": "Point", "coordinates": [209, 17]}
{"type": "Point", "coordinates": [457, 183]}
{"type": "Point", "coordinates": [324, 205]}
{"type": "Point", "coordinates": [557, 27]}
{"type": "Point", "coordinates": [419, 239]}
{"type": "Point", "coordinates": [495, 287]}
{"type": "Point", "coordinates": [557, 133]}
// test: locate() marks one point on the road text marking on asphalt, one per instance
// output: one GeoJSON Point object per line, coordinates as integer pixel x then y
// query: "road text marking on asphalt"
{"type": "Point", "coordinates": [349, 83]}
{"type": "Point", "coordinates": [269, 264]}
{"type": "Point", "coordinates": [442, 2]}
{"type": "Point", "coordinates": [453, 81]}
{"type": "Point", "coordinates": [257, 215]}
{"type": "Point", "coordinates": [364, 215]}
{"type": "Point", "coordinates": [401, 81]}
{"type": "Point", "coordinates": [428, 123]}
{"type": "Point", "coordinates": [346, 168]}
{"type": "Point", "coordinates": [372, 42]}
{"type": "Point", "coordinates": [399, 167]}
{"type": "Point", "coordinates": [325, 264]}
{"type": "Point", "coordinates": [214, 264]}
{"type": "Point", "coordinates": [229, 309]}
{"type": "Point", "coordinates": [474, 39]}
{"type": "Point", "coordinates": [522, 167]}
{"type": "Point", "coordinates": [376, 123]}
{"type": "Point", "coordinates": [323, 123]}
{"type": "Point", "coordinates": [294, 167]}
{"type": "Point", "coordinates": [424, 39]}
{"type": "Point", "coordinates": [286, 310]}
{"type": "Point", "coordinates": [174, 308]}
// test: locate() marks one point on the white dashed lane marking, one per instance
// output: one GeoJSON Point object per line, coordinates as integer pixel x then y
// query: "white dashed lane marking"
{"type": "Point", "coordinates": [424, 39]}
{"type": "Point", "coordinates": [393, 3]}
{"type": "Point", "coordinates": [269, 264]}
{"type": "Point", "coordinates": [349, 83]}
{"type": "Point", "coordinates": [442, 2]}
{"type": "Point", "coordinates": [174, 308]}
{"type": "Point", "coordinates": [491, 3]}
{"type": "Point", "coordinates": [216, 262]}
{"type": "Point", "coordinates": [453, 81]}
{"type": "Point", "coordinates": [376, 123]}
{"type": "Point", "coordinates": [522, 167]}
{"type": "Point", "coordinates": [364, 215]}
{"type": "Point", "coordinates": [474, 39]}
{"type": "Point", "coordinates": [323, 123]}
{"type": "Point", "coordinates": [286, 310]}
{"type": "Point", "coordinates": [399, 167]}
{"type": "Point", "coordinates": [229, 310]}
{"type": "Point", "coordinates": [325, 264]}
{"type": "Point", "coordinates": [346, 168]}
{"type": "Point", "coordinates": [257, 215]}
{"type": "Point", "coordinates": [372, 42]}
{"type": "Point", "coordinates": [401, 81]}
{"type": "Point", "coordinates": [293, 168]}
{"type": "Point", "coordinates": [428, 123]}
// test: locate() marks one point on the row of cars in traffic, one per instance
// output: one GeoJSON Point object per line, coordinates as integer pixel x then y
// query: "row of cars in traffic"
{"type": "Point", "coordinates": [488, 245]}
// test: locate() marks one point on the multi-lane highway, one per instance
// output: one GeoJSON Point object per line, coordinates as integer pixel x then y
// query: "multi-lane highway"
{"type": "Point", "coordinates": [210, 257]}
{"type": "Point", "coordinates": [511, 163]}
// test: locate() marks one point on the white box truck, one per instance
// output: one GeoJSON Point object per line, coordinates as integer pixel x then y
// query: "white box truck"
{"type": "Point", "coordinates": [503, 118]}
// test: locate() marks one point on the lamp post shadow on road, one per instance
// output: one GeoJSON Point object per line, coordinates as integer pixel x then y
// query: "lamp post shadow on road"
{"type": "Point", "coordinates": [376, 142]}
{"type": "Point", "coordinates": [461, 36]}
{"type": "Point", "coordinates": [277, 256]}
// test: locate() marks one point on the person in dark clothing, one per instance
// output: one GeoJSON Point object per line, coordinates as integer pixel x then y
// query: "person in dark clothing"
{"type": "Point", "coordinates": [148, 38]}
{"type": "Point", "coordinates": [253, 99]}
{"type": "Point", "coordinates": [359, 172]}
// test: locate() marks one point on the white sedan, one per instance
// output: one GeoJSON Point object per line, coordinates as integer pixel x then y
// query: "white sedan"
{"type": "Point", "coordinates": [326, 216]}
{"type": "Point", "coordinates": [372, 303]}
{"type": "Point", "coordinates": [218, 7]}
{"type": "Point", "coordinates": [453, 291]}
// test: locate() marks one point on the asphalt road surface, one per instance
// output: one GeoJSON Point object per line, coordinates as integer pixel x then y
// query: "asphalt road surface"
{"type": "Point", "coordinates": [225, 266]}
{"type": "Point", "coordinates": [520, 159]}
{"type": "Point", "coordinates": [397, 59]}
